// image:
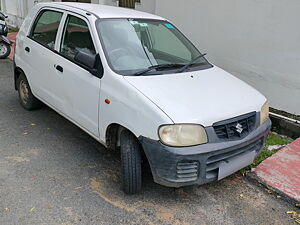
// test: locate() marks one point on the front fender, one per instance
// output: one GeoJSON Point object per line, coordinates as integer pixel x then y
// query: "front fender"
{"type": "Point", "coordinates": [129, 108]}
{"type": "Point", "coordinates": [5, 39]}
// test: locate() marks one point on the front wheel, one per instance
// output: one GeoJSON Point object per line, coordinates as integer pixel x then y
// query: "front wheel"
{"type": "Point", "coordinates": [131, 163]}
{"type": "Point", "coordinates": [4, 50]}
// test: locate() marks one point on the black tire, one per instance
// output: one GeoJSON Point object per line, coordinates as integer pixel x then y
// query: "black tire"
{"type": "Point", "coordinates": [5, 54]}
{"type": "Point", "coordinates": [26, 98]}
{"type": "Point", "coordinates": [131, 163]}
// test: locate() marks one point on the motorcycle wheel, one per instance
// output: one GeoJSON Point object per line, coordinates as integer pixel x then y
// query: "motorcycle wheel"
{"type": "Point", "coordinates": [4, 50]}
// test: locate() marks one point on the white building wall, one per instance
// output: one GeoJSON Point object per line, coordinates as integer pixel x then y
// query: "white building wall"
{"type": "Point", "coordinates": [17, 10]}
{"type": "Point", "coordinates": [146, 6]}
{"type": "Point", "coordinates": [258, 41]}
{"type": "Point", "coordinates": [11, 7]}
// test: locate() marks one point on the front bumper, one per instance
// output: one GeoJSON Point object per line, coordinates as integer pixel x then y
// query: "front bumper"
{"type": "Point", "coordinates": [183, 166]}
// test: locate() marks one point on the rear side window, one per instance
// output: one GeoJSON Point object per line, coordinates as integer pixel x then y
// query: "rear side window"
{"type": "Point", "coordinates": [76, 37]}
{"type": "Point", "coordinates": [45, 28]}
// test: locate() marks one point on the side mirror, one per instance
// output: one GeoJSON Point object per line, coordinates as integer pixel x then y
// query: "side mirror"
{"type": "Point", "coordinates": [92, 63]}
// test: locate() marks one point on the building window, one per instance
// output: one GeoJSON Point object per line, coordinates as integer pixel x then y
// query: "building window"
{"type": "Point", "coordinates": [128, 3]}
{"type": "Point", "coordinates": [85, 1]}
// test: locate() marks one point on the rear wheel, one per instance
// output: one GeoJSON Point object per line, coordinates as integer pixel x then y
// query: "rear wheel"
{"type": "Point", "coordinates": [131, 163]}
{"type": "Point", "coordinates": [27, 100]}
{"type": "Point", "coordinates": [4, 50]}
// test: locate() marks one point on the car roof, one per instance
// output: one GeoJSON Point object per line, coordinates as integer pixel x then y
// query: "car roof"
{"type": "Point", "coordinates": [104, 11]}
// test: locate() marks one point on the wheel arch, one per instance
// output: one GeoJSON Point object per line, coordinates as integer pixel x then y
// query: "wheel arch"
{"type": "Point", "coordinates": [17, 72]}
{"type": "Point", "coordinates": [113, 134]}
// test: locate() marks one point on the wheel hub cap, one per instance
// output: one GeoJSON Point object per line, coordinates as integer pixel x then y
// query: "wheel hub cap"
{"type": "Point", "coordinates": [24, 91]}
{"type": "Point", "coordinates": [3, 49]}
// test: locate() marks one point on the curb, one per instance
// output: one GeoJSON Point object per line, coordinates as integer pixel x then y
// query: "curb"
{"type": "Point", "coordinates": [288, 128]}
{"type": "Point", "coordinates": [281, 172]}
{"type": "Point", "coordinates": [253, 178]}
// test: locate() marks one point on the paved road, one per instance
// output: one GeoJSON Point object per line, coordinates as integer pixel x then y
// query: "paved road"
{"type": "Point", "coordinates": [51, 172]}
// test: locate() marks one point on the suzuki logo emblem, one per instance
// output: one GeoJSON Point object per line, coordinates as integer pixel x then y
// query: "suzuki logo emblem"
{"type": "Point", "coordinates": [239, 128]}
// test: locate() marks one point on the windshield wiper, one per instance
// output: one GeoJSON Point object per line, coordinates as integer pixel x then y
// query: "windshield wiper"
{"type": "Point", "coordinates": [191, 63]}
{"type": "Point", "coordinates": [157, 67]}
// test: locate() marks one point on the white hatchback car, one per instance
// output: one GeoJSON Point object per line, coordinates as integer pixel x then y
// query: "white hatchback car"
{"type": "Point", "coordinates": [136, 84]}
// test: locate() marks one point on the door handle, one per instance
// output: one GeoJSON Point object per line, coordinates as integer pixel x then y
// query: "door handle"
{"type": "Point", "coordinates": [59, 68]}
{"type": "Point", "coordinates": [27, 49]}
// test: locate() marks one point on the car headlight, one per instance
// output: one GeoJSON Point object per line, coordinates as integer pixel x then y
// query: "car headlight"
{"type": "Point", "coordinates": [180, 135]}
{"type": "Point", "coordinates": [264, 113]}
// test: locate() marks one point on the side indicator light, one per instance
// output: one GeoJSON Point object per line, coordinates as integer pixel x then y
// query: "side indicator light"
{"type": "Point", "coordinates": [107, 101]}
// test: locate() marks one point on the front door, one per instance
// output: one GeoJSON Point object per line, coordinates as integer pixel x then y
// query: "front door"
{"type": "Point", "coordinates": [81, 89]}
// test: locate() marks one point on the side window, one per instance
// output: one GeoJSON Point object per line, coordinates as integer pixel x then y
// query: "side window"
{"type": "Point", "coordinates": [45, 28]}
{"type": "Point", "coordinates": [76, 37]}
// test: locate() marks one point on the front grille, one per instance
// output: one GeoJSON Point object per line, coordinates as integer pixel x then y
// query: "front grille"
{"type": "Point", "coordinates": [228, 130]}
{"type": "Point", "coordinates": [187, 171]}
{"type": "Point", "coordinates": [212, 164]}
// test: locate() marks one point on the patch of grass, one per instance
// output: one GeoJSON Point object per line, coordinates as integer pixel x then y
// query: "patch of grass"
{"type": "Point", "coordinates": [12, 31]}
{"type": "Point", "coordinates": [265, 153]}
{"type": "Point", "coordinates": [276, 140]}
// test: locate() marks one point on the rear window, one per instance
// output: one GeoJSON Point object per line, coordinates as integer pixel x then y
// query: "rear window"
{"type": "Point", "coordinates": [45, 28]}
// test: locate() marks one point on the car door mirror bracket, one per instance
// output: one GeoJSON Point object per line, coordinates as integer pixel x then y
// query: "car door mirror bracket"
{"type": "Point", "coordinates": [92, 63]}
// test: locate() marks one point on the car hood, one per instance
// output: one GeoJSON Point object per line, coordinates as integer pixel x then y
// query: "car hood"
{"type": "Point", "coordinates": [202, 97]}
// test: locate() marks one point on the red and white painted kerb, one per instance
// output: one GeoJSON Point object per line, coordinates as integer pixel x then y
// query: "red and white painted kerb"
{"type": "Point", "coordinates": [282, 170]}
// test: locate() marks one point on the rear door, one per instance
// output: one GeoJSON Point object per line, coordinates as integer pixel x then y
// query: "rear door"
{"type": "Point", "coordinates": [81, 89]}
{"type": "Point", "coordinates": [40, 57]}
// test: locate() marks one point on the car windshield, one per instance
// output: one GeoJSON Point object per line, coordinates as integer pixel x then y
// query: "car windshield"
{"type": "Point", "coordinates": [133, 45]}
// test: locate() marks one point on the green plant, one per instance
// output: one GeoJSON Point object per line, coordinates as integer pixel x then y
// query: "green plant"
{"type": "Point", "coordinates": [12, 30]}
{"type": "Point", "coordinates": [266, 153]}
